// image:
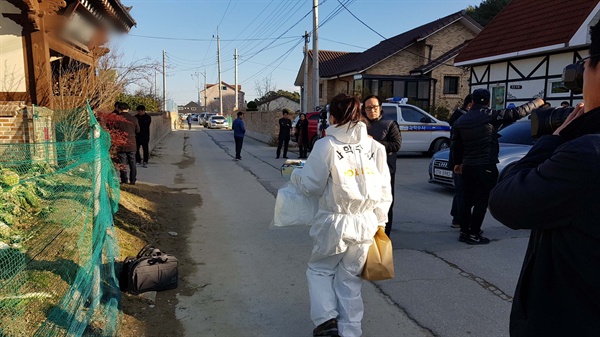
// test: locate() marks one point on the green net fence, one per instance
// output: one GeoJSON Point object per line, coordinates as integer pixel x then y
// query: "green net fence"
{"type": "Point", "coordinates": [57, 241]}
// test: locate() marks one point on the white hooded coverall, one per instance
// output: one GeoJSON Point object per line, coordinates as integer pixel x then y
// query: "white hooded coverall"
{"type": "Point", "coordinates": [348, 171]}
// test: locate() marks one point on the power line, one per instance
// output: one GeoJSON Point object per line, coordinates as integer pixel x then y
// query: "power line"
{"type": "Point", "coordinates": [205, 40]}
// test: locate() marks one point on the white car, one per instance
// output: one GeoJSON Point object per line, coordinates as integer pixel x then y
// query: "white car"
{"type": "Point", "coordinates": [217, 122]}
{"type": "Point", "coordinates": [421, 132]}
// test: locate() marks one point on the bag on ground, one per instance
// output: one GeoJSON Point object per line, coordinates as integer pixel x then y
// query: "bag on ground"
{"type": "Point", "coordinates": [150, 270]}
{"type": "Point", "coordinates": [293, 208]}
{"type": "Point", "coordinates": [380, 259]}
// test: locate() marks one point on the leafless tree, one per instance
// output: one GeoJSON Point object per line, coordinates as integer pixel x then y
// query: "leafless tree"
{"type": "Point", "coordinates": [263, 87]}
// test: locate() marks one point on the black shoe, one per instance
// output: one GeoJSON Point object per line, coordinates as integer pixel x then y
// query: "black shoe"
{"type": "Point", "coordinates": [463, 237]}
{"type": "Point", "coordinates": [329, 328]}
{"type": "Point", "coordinates": [476, 240]}
{"type": "Point", "coordinates": [455, 225]}
{"type": "Point", "coordinates": [285, 157]}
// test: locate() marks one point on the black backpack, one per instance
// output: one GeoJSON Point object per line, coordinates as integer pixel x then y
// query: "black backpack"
{"type": "Point", "coordinates": [150, 270]}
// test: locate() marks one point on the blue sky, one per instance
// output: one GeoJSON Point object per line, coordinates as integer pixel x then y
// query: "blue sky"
{"type": "Point", "coordinates": [267, 33]}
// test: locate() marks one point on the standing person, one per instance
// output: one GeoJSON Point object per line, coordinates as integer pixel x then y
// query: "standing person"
{"type": "Point", "coordinates": [239, 131]}
{"type": "Point", "coordinates": [285, 127]}
{"type": "Point", "coordinates": [554, 191]}
{"type": "Point", "coordinates": [387, 132]}
{"type": "Point", "coordinates": [475, 149]}
{"type": "Point", "coordinates": [143, 138]}
{"type": "Point", "coordinates": [458, 188]}
{"type": "Point", "coordinates": [189, 121]}
{"type": "Point", "coordinates": [302, 132]}
{"type": "Point", "coordinates": [126, 153]}
{"type": "Point", "coordinates": [347, 169]}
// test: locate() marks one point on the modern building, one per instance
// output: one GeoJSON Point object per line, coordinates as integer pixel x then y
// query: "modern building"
{"type": "Point", "coordinates": [211, 98]}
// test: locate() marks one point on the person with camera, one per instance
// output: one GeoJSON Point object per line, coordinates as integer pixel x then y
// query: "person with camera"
{"type": "Point", "coordinates": [474, 149]}
{"type": "Point", "coordinates": [554, 191]}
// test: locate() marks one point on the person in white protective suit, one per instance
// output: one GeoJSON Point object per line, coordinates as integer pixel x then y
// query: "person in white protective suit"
{"type": "Point", "coordinates": [348, 171]}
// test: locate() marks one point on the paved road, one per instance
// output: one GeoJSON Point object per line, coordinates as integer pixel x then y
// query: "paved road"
{"type": "Point", "coordinates": [249, 280]}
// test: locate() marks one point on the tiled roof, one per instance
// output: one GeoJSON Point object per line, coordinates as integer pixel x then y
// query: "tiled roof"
{"type": "Point", "coordinates": [528, 24]}
{"type": "Point", "coordinates": [226, 84]}
{"type": "Point", "coordinates": [395, 44]}
{"type": "Point", "coordinates": [443, 59]}
{"type": "Point", "coordinates": [330, 61]}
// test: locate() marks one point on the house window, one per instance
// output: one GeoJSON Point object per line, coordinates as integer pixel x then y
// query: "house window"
{"type": "Point", "coordinates": [450, 85]}
{"type": "Point", "coordinates": [224, 87]}
{"type": "Point", "coordinates": [320, 90]}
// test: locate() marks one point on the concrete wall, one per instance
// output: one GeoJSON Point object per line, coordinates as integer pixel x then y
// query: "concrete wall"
{"type": "Point", "coordinates": [162, 124]}
{"type": "Point", "coordinates": [262, 125]}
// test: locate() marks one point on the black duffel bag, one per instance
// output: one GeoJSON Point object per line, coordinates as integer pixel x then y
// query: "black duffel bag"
{"type": "Point", "coordinates": [150, 270]}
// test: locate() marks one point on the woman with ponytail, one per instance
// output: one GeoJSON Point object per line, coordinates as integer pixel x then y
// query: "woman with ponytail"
{"type": "Point", "coordinates": [348, 171]}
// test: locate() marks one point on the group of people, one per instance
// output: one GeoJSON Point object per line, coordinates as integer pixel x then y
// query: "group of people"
{"type": "Point", "coordinates": [137, 131]}
{"type": "Point", "coordinates": [552, 191]}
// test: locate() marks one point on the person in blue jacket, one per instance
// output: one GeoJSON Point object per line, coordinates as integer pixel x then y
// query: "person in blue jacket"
{"type": "Point", "coordinates": [239, 131]}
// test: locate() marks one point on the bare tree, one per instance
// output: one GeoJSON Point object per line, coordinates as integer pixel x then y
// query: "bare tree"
{"type": "Point", "coordinates": [263, 88]}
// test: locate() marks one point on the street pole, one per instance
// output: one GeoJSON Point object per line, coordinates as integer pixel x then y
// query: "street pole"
{"type": "Point", "coordinates": [235, 58]}
{"type": "Point", "coordinates": [315, 53]}
{"type": "Point", "coordinates": [305, 83]}
{"type": "Point", "coordinates": [220, 81]}
{"type": "Point", "coordinates": [164, 80]}
{"type": "Point", "coordinates": [205, 106]}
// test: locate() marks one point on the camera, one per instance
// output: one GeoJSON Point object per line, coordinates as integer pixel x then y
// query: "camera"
{"type": "Point", "coordinates": [545, 121]}
{"type": "Point", "coordinates": [572, 78]}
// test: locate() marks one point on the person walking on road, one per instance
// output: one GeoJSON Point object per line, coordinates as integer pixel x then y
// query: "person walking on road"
{"type": "Point", "coordinates": [189, 121]}
{"type": "Point", "coordinates": [554, 191]}
{"type": "Point", "coordinates": [475, 149]}
{"type": "Point", "coordinates": [387, 132]}
{"type": "Point", "coordinates": [347, 169]}
{"type": "Point", "coordinates": [285, 128]}
{"type": "Point", "coordinates": [302, 132]}
{"type": "Point", "coordinates": [238, 134]}
{"type": "Point", "coordinates": [143, 137]}
{"type": "Point", "coordinates": [126, 153]}
{"type": "Point", "coordinates": [458, 188]}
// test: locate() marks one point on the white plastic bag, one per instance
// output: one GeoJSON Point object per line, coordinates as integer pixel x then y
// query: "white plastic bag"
{"type": "Point", "coordinates": [293, 208]}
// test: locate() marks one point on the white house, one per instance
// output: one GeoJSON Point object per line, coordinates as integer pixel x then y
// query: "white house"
{"type": "Point", "coordinates": [521, 54]}
{"type": "Point", "coordinates": [279, 103]}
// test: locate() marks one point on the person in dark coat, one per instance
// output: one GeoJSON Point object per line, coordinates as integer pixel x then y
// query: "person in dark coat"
{"type": "Point", "coordinates": [143, 137]}
{"type": "Point", "coordinates": [239, 131]}
{"type": "Point", "coordinates": [554, 192]}
{"type": "Point", "coordinates": [458, 188]}
{"type": "Point", "coordinates": [475, 149]}
{"type": "Point", "coordinates": [285, 128]}
{"type": "Point", "coordinates": [302, 132]}
{"type": "Point", "coordinates": [126, 153]}
{"type": "Point", "coordinates": [387, 132]}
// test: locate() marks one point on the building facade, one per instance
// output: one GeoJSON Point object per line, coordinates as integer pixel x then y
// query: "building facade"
{"type": "Point", "coordinates": [211, 98]}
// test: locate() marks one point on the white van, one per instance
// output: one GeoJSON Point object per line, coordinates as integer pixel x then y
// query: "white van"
{"type": "Point", "coordinates": [421, 132]}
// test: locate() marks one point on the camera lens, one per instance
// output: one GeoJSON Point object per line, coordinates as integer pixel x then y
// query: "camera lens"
{"type": "Point", "coordinates": [545, 121]}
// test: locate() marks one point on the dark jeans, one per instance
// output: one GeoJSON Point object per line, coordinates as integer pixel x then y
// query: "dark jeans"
{"type": "Point", "coordinates": [478, 181]}
{"type": "Point", "coordinates": [388, 225]}
{"type": "Point", "coordinates": [127, 159]}
{"type": "Point", "coordinates": [285, 140]}
{"type": "Point", "coordinates": [303, 148]}
{"type": "Point", "coordinates": [458, 198]}
{"type": "Point", "coordinates": [138, 157]}
{"type": "Point", "coordinates": [239, 141]}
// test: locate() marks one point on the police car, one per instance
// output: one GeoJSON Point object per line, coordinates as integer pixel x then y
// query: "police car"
{"type": "Point", "coordinates": [421, 132]}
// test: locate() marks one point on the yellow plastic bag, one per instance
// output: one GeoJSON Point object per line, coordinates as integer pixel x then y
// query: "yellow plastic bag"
{"type": "Point", "coordinates": [380, 259]}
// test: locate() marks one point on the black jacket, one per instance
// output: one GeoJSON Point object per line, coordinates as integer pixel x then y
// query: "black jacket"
{"type": "Point", "coordinates": [475, 134]}
{"type": "Point", "coordinates": [554, 191]}
{"type": "Point", "coordinates": [302, 131]}
{"type": "Point", "coordinates": [285, 126]}
{"type": "Point", "coordinates": [144, 122]}
{"type": "Point", "coordinates": [387, 132]}
{"type": "Point", "coordinates": [453, 118]}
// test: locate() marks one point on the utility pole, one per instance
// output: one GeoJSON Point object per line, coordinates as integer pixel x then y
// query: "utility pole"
{"type": "Point", "coordinates": [235, 58]}
{"type": "Point", "coordinates": [164, 80]}
{"type": "Point", "coordinates": [305, 86]}
{"type": "Point", "coordinates": [199, 89]}
{"type": "Point", "coordinates": [205, 106]}
{"type": "Point", "coordinates": [316, 53]}
{"type": "Point", "coordinates": [220, 81]}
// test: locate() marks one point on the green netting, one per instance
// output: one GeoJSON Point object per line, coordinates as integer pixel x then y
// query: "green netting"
{"type": "Point", "coordinates": [57, 240]}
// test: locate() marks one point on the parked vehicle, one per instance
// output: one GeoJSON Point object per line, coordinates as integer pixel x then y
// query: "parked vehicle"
{"type": "Point", "coordinates": [195, 117]}
{"type": "Point", "coordinates": [217, 122]}
{"type": "Point", "coordinates": [515, 141]}
{"type": "Point", "coordinates": [421, 132]}
{"type": "Point", "coordinates": [206, 116]}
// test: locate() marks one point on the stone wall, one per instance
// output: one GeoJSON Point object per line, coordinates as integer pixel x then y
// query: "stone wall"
{"type": "Point", "coordinates": [162, 124]}
{"type": "Point", "coordinates": [262, 125]}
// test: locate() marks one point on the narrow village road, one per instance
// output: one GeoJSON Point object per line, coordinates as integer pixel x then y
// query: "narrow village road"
{"type": "Point", "coordinates": [249, 280]}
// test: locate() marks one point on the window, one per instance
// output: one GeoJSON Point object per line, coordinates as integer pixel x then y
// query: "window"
{"type": "Point", "coordinates": [450, 85]}
{"type": "Point", "coordinates": [224, 87]}
{"type": "Point", "coordinates": [411, 115]}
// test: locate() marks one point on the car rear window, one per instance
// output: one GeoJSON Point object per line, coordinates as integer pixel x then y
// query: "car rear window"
{"type": "Point", "coordinates": [517, 133]}
{"type": "Point", "coordinates": [218, 118]}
